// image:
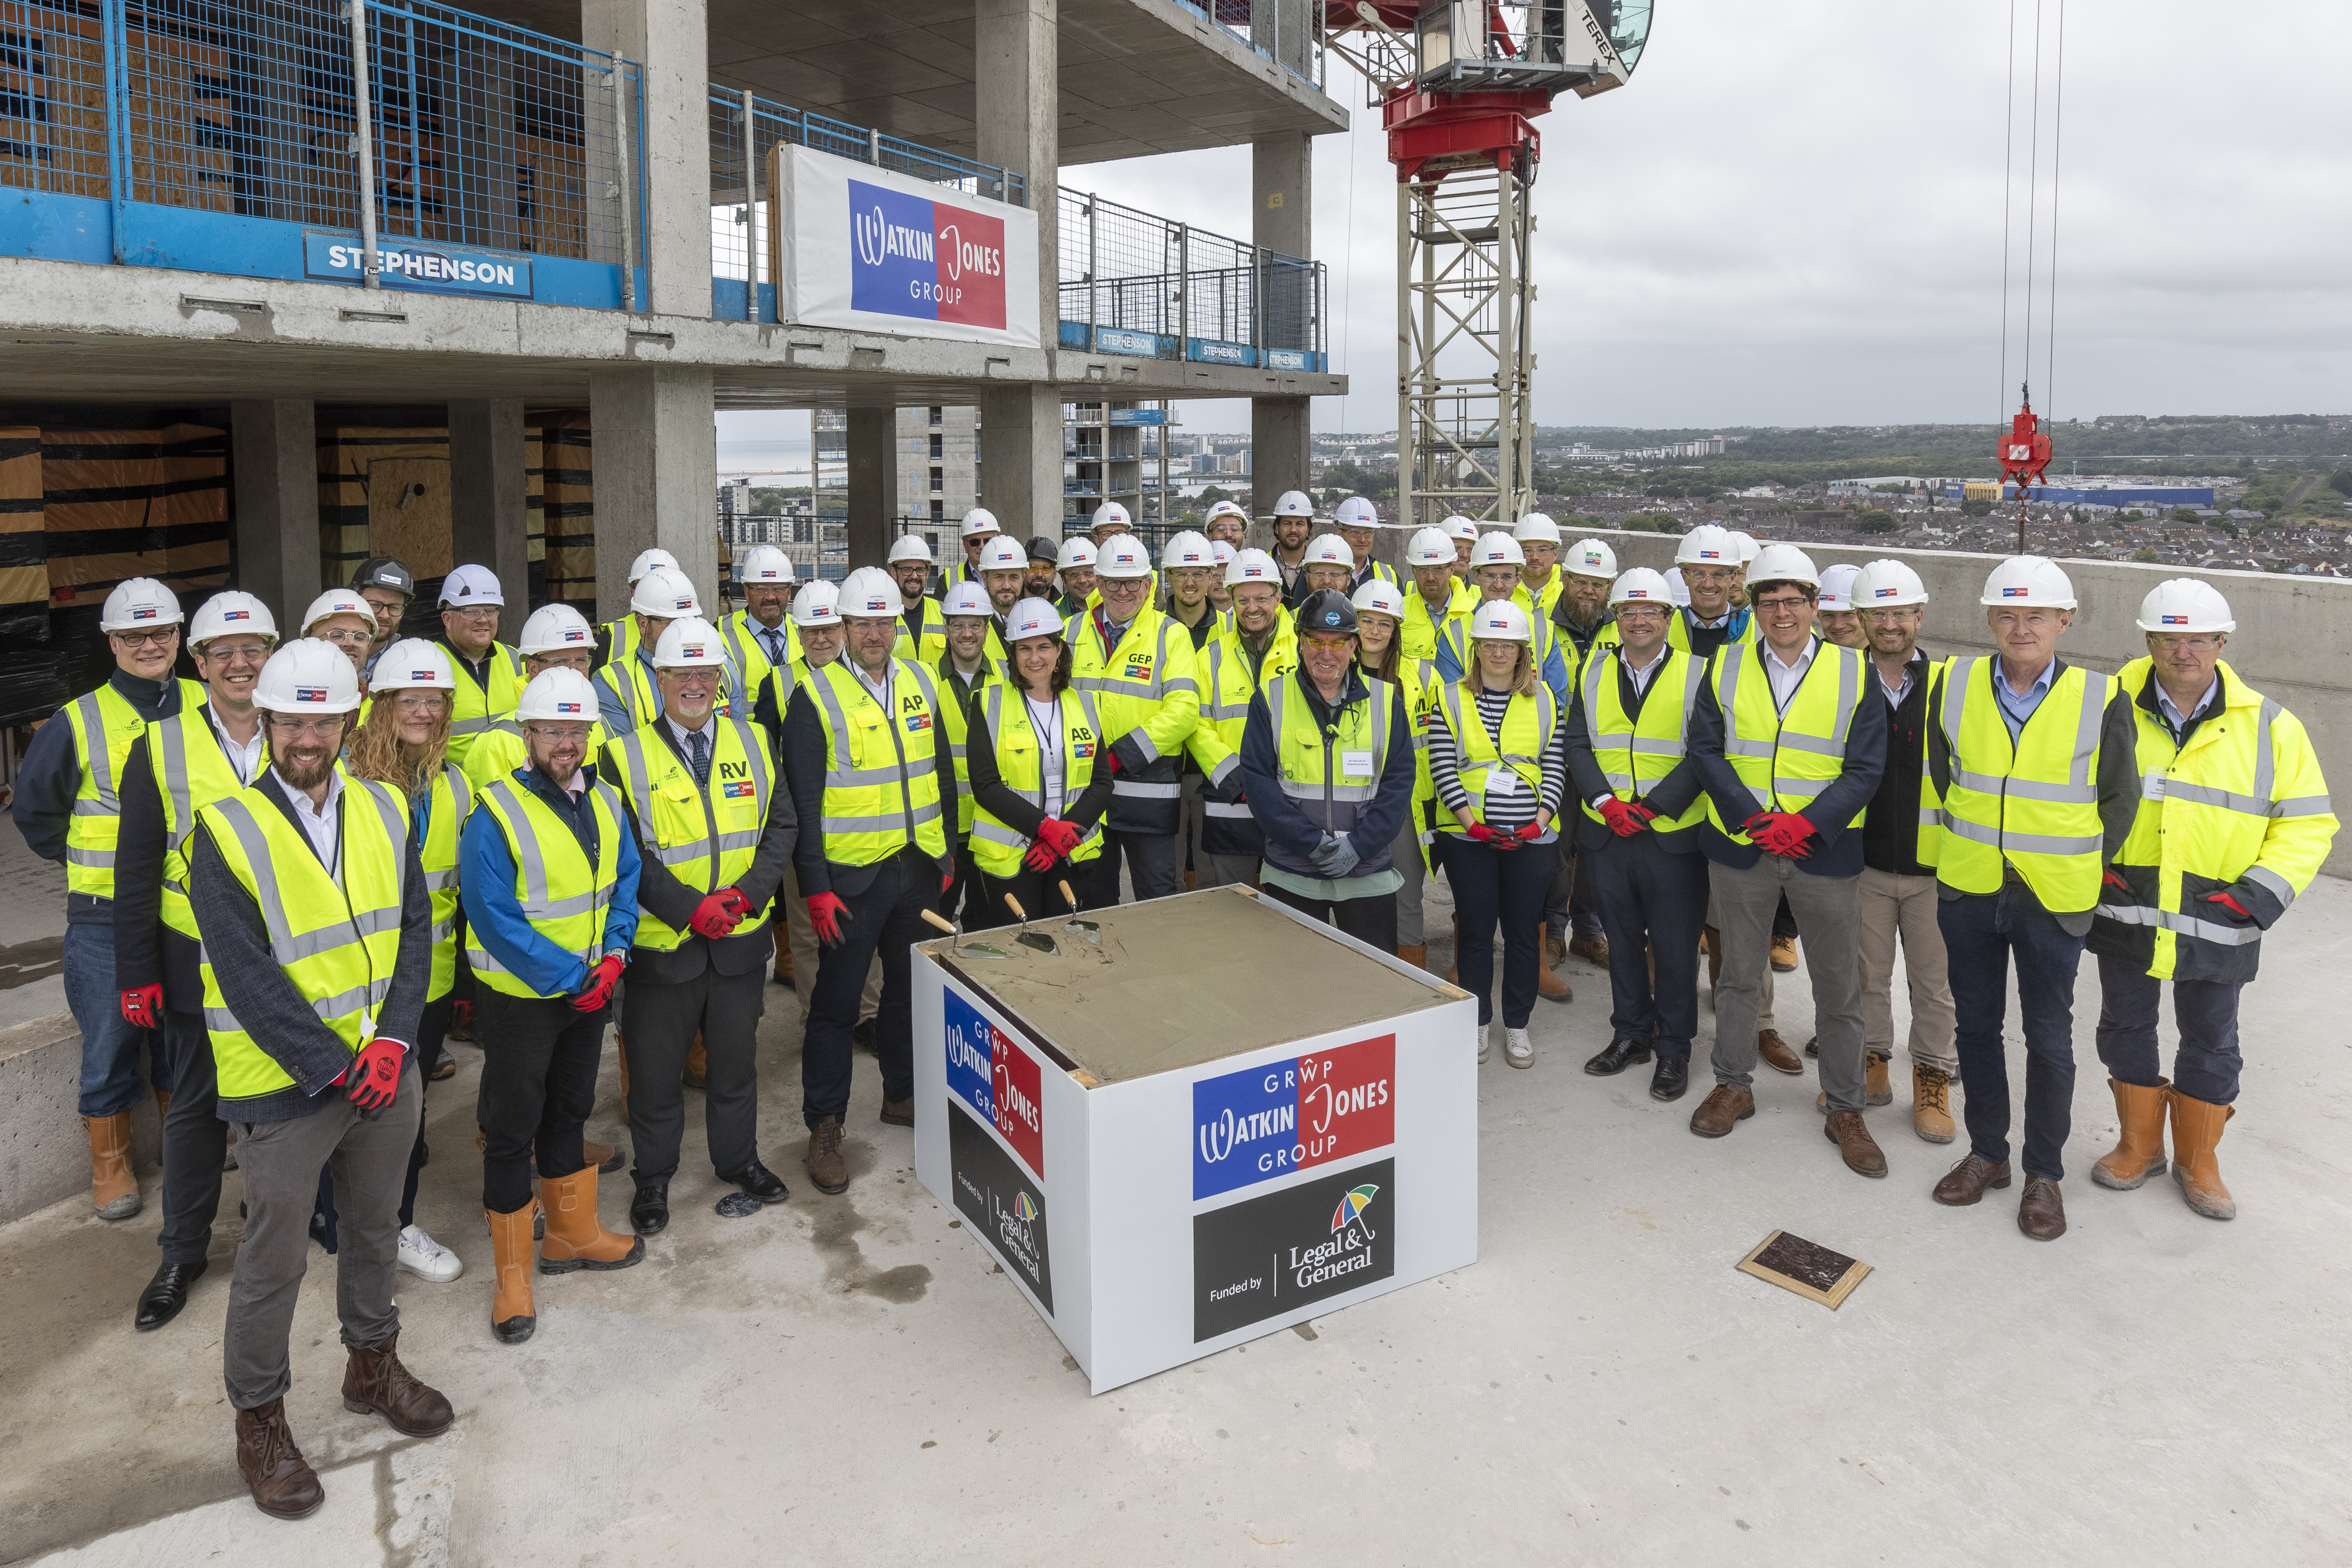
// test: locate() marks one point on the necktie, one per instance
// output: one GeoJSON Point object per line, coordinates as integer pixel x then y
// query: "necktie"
{"type": "Point", "coordinates": [774, 643]}
{"type": "Point", "coordinates": [697, 752]}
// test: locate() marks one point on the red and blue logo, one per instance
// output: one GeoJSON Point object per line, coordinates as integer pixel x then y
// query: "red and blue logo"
{"type": "Point", "coordinates": [999, 1079]}
{"type": "Point", "coordinates": [143, 613]}
{"type": "Point", "coordinates": [236, 614]}
{"type": "Point", "coordinates": [2174, 620]}
{"type": "Point", "coordinates": [310, 694]}
{"type": "Point", "coordinates": [420, 675]}
{"type": "Point", "coordinates": [2014, 593]}
{"type": "Point", "coordinates": [925, 259]}
{"type": "Point", "coordinates": [567, 708]}
{"type": "Point", "coordinates": [741, 789]}
{"type": "Point", "coordinates": [1266, 1121]}
{"type": "Point", "coordinates": [1883, 592]}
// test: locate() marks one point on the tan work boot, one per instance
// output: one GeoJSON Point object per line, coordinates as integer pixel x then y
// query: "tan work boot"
{"type": "Point", "coordinates": [163, 1105]}
{"type": "Point", "coordinates": [1710, 942]}
{"type": "Point", "coordinates": [1875, 1088]}
{"type": "Point", "coordinates": [113, 1185]}
{"type": "Point", "coordinates": [2196, 1133]}
{"type": "Point", "coordinates": [697, 1062]}
{"type": "Point", "coordinates": [1548, 986]}
{"type": "Point", "coordinates": [1931, 1103]}
{"type": "Point", "coordinates": [2138, 1153]}
{"type": "Point", "coordinates": [576, 1238]}
{"type": "Point", "coordinates": [282, 1482]}
{"type": "Point", "coordinates": [827, 1168]}
{"type": "Point", "coordinates": [373, 1380]}
{"type": "Point", "coordinates": [1784, 955]}
{"type": "Point", "coordinates": [1417, 954]}
{"type": "Point", "coordinates": [784, 972]}
{"type": "Point", "coordinates": [1591, 949]}
{"type": "Point", "coordinates": [513, 1314]}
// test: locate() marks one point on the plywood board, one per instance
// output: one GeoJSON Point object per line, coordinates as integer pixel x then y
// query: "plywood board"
{"type": "Point", "coordinates": [408, 514]}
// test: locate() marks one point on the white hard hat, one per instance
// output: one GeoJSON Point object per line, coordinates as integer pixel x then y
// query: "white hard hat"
{"type": "Point", "coordinates": [1076, 551]}
{"type": "Point", "coordinates": [1709, 544]}
{"type": "Point", "coordinates": [553, 628]}
{"type": "Point", "coordinates": [2185, 605]}
{"type": "Point", "coordinates": [818, 604]}
{"type": "Point", "coordinates": [1328, 550]}
{"type": "Point", "coordinates": [968, 599]}
{"type": "Point", "coordinates": [1294, 503]}
{"type": "Point", "coordinates": [309, 675]}
{"type": "Point", "coordinates": [1640, 586]}
{"type": "Point", "coordinates": [647, 561]}
{"type": "Point", "coordinates": [909, 547]}
{"type": "Point", "coordinates": [1589, 558]}
{"type": "Point", "coordinates": [1380, 596]}
{"type": "Point", "coordinates": [1186, 548]}
{"type": "Point", "coordinates": [1460, 527]}
{"type": "Point", "coordinates": [1032, 618]}
{"type": "Point", "coordinates": [1748, 546]}
{"type": "Point", "coordinates": [1003, 553]}
{"type": "Point", "coordinates": [665, 592]}
{"type": "Point", "coordinates": [138, 603]}
{"type": "Point", "coordinates": [871, 593]}
{"type": "Point", "coordinates": [412, 662]}
{"type": "Point", "coordinates": [1496, 549]}
{"type": "Point", "coordinates": [1783, 563]}
{"type": "Point", "coordinates": [691, 642]}
{"type": "Point", "coordinates": [1227, 509]}
{"type": "Point", "coordinates": [2029, 581]}
{"type": "Point", "coordinates": [338, 602]}
{"type": "Point", "coordinates": [1124, 555]}
{"type": "Point", "coordinates": [1357, 512]}
{"type": "Point", "coordinates": [1536, 526]}
{"type": "Point", "coordinates": [561, 694]}
{"type": "Point", "coordinates": [764, 563]}
{"type": "Point", "coordinates": [1110, 514]}
{"type": "Point", "coordinates": [467, 586]}
{"type": "Point", "coordinates": [1225, 553]}
{"type": "Point", "coordinates": [1428, 547]}
{"type": "Point", "coordinates": [1252, 566]}
{"type": "Point", "coordinates": [1883, 584]}
{"type": "Point", "coordinates": [1837, 586]}
{"type": "Point", "coordinates": [979, 519]}
{"type": "Point", "coordinates": [231, 611]}
{"type": "Point", "coordinates": [1501, 621]}
{"type": "Point", "coordinates": [1677, 588]}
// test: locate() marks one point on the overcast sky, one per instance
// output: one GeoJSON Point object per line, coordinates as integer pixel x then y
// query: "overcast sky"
{"type": "Point", "coordinates": [1793, 215]}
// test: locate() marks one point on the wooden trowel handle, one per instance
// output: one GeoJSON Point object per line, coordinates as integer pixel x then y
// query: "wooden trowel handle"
{"type": "Point", "coordinates": [939, 921]}
{"type": "Point", "coordinates": [1068, 897]}
{"type": "Point", "coordinates": [1015, 905]}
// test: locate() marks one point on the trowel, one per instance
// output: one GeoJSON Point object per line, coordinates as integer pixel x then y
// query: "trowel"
{"type": "Point", "coordinates": [955, 937]}
{"type": "Point", "coordinates": [1087, 928]}
{"type": "Point", "coordinates": [1028, 938]}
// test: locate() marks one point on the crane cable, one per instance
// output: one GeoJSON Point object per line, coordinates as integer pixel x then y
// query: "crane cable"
{"type": "Point", "coordinates": [2032, 216]}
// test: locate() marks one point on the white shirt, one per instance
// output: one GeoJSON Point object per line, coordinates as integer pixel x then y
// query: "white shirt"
{"type": "Point", "coordinates": [1643, 674]}
{"type": "Point", "coordinates": [245, 758]}
{"type": "Point", "coordinates": [1895, 694]}
{"type": "Point", "coordinates": [1046, 719]}
{"type": "Point", "coordinates": [2172, 713]}
{"type": "Point", "coordinates": [318, 821]}
{"type": "Point", "coordinates": [880, 688]}
{"type": "Point", "coordinates": [1785, 677]}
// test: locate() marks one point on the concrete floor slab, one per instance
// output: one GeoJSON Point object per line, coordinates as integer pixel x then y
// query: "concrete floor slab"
{"type": "Point", "coordinates": [847, 1378]}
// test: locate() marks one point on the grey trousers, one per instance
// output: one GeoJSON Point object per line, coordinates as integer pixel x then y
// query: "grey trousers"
{"type": "Point", "coordinates": [1209, 870]}
{"type": "Point", "coordinates": [1828, 909]}
{"type": "Point", "coordinates": [1764, 1019]}
{"type": "Point", "coordinates": [658, 1024]}
{"type": "Point", "coordinates": [1405, 854]}
{"type": "Point", "coordinates": [369, 1153]}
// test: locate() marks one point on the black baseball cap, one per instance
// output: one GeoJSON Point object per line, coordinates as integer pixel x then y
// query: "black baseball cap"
{"type": "Point", "coordinates": [383, 572]}
{"type": "Point", "coordinates": [1327, 610]}
{"type": "Point", "coordinates": [1045, 549]}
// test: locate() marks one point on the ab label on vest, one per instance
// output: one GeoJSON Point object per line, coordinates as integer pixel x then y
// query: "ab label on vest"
{"type": "Point", "coordinates": [1355, 762]}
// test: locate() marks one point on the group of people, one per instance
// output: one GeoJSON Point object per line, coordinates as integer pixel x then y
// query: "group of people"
{"type": "Point", "coordinates": [293, 877]}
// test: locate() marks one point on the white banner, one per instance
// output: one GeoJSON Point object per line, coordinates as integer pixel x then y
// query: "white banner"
{"type": "Point", "coordinates": [854, 246]}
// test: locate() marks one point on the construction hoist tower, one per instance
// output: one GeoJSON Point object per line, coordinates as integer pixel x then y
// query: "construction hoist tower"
{"type": "Point", "coordinates": [1458, 83]}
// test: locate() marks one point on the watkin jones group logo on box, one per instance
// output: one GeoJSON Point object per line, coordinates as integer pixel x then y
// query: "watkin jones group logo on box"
{"type": "Point", "coordinates": [1267, 1121]}
{"type": "Point", "coordinates": [927, 260]}
{"type": "Point", "coordinates": [998, 1079]}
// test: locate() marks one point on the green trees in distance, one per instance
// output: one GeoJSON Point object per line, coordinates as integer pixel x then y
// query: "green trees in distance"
{"type": "Point", "coordinates": [1873, 520]}
{"type": "Point", "coordinates": [1976, 509]}
{"type": "Point", "coordinates": [1651, 522]}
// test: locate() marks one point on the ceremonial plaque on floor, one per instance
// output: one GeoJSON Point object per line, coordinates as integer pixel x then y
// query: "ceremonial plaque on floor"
{"type": "Point", "coordinates": [1182, 1124]}
{"type": "Point", "coordinates": [1807, 1267]}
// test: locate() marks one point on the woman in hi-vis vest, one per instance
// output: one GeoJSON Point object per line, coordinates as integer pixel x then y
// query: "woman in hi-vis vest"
{"type": "Point", "coordinates": [1038, 798]}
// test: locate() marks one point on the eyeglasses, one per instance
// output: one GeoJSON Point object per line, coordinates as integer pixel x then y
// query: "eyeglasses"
{"type": "Point", "coordinates": [236, 653]}
{"type": "Point", "coordinates": [344, 637]}
{"type": "Point", "coordinates": [419, 701]}
{"type": "Point", "coordinates": [1783, 602]}
{"type": "Point", "coordinates": [2187, 644]}
{"type": "Point", "coordinates": [560, 734]}
{"type": "Point", "coordinates": [474, 611]}
{"type": "Point", "coordinates": [1641, 613]}
{"type": "Point", "coordinates": [327, 728]}
{"type": "Point", "coordinates": [162, 637]}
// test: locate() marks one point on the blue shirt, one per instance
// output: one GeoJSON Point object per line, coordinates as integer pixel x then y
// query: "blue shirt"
{"type": "Point", "coordinates": [486, 884]}
{"type": "Point", "coordinates": [613, 707]}
{"type": "Point", "coordinates": [2016, 709]}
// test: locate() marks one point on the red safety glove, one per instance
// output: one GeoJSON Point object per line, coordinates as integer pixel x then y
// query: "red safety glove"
{"type": "Point", "coordinates": [1110, 759]}
{"type": "Point", "coordinates": [1040, 858]}
{"type": "Point", "coordinates": [1781, 833]}
{"type": "Point", "coordinates": [2229, 903]}
{"type": "Point", "coordinates": [1624, 820]}
{"type": "Point", "coordinates": [1480, 833]}
{"type": "Point", "coordinates": [2110, 879]}
{"type": "Point", "coordinates": [738, 903]}
{"type": "Point", "coordinates": [715, 915]}
{"type": "Point", "coordinates": [144, 1006]}
{"type": "Point", "coordinates": [461, 1014]}
{"type": "Point", "coordinates": [1648, 813]}
{"type": "Point", "coordinates": [1060, 836]}
{"type": "Point", "coordinates": [827, 911]}
{"type": "Point", "coordinates": [601, 981]}
{"type": "Point", "coordinates": [946, 883]}
{"type": "Point", "coordinates": [375, 1078]}
{"type": "Point", "coordinates": [1529, 833]}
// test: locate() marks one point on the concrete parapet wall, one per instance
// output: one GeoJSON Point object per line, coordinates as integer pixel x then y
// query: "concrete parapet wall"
{"type": "Point", "coordinates": [44, 1151]}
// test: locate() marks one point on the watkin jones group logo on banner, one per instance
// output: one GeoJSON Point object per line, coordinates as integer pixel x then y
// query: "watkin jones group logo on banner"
{"type": "Point", "coordinates": [1267, 1121]}
{"type": "Point", "coordinates": [924, 259]}
{"type": "Point", "coordinates": [998, 1079]}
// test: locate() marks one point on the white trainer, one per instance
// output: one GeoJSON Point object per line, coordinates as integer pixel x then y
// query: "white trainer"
{"type": "Point", "coordinates": [427, 1258]}
{"type": "Point", "coordinates": [1518, 1049]}
{"type": "Point", "coordinates": [1485, 1046]}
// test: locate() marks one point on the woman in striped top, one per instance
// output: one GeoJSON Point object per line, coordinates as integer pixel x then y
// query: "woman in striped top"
{"type": "Point", "coordinates": [1498, 762]}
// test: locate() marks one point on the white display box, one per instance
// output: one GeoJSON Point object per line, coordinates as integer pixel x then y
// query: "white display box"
{"type": "Point", "coordinates": [1216, 1119]}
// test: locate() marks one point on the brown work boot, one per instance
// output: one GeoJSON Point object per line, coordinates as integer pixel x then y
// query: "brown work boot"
{"type": "Point", "coordinates": [697, 1062]}
{"type": "Point", "coordinates": [576, 1238]}
{"type": "Point", "coordinates": [1417, 954]}
{"type": "Point", "coordinates": [374, 1380]}
{"type": "Point", "coordinates": [163, 1105]}
{"type": "Point", "coordinates": [1784, 955]}
{"type": "Point", "coordinates": [2040, 1213]}
{"type": "Point", "coordinates": [827, 1168]}
{"type": "Point", "coordinates": [513, 1314]}
{"type": "Point", "coordinates": [1966, 1183]}
{"type": "Point", "coordinates": [1722, 1108]}
{"type": "Point", "coordinates": [2138, 1153]}
{"type": "Point", "coordinates": [898, 1113]}
{"type": "Point", "coordinates": [1549, 986]}
{"type": "Point", "coordinates": [601, 1157]}
{"type": "Point", "coordinates": [2195, 1134]}
{"type": "Point", "coordinates": [1777, 1054]}
{"type": "Point", "coordinates": [1931, 1103]}
{"type": "Point", "coordinates": [113, 1185]}
{"type": "Point", "coordinates": [1875, 1089]}
{"type": "Point", "coordinates": [784, 956]}
{"type": "Point", "coordinates": [280, 1478]}
{"type": "Point", "coordinates": [1591, 949]}
{"type": "Point", "coordinates": [1861, 1152]}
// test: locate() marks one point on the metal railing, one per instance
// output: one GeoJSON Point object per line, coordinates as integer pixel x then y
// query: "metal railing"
{"type": "Point", "coordinates": [1136, 283]}
{"type": "Point", "coordinates": [1287, 32]}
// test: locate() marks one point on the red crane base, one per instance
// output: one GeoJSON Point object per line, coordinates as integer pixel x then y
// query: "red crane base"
{"type": "Point", "coordinates": [1425, 127]}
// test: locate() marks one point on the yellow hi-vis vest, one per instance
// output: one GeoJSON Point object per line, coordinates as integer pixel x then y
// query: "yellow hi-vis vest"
{"type": "Point", "coordinates": [1419, 630]}
{"type": "Point", "coordinates": [2033, 803]}
{"type": "Point", "coordinates": [930, 646]}
{"type": "Point", "coordinates": [956, 718]}
{"type": "Point", "coordinates": [881, 783]}
{"type": "Point", "coordinates": [1637, 752]}
{"type": "Point", "coordinates": [1528, 724]}
{"type": "Point", "coordinates": [475, 713]}
{"type": "Point", "coordinates": [1313, 766]}
{"type": "Point", "coordinates": [1222, 668]}
{"type": "Point", "coordinates": [191, 772]}
{"type": "Point", "coordinates": [741, 636]}
{"type": "Point", "coordinates": [449, 800]}
{"type": "Point", "coordinates": [336, 935]}
{"type": "Point", "coordinates": [1418, 684]}
{"type": "Point", "coordinates": [2243, 801]}
{"type": "Point", "coordinates": [1678, 632]}
{"type": "Point", "coordinates": [501, 751]}
{"type": "Point", "coordinates": [621, 639]}
{"type": "Point", "coordinates": [1785, 757]}
{"type": "Point", "coordinates": [997, 847]}
{"type": "Point", "coordinates": [105, 727]}
{"type": "Point", "coordinates": [705, 837]}
{"type": "Point", "coordinates": [1146, 687]}
{"type": "Point", "coordinates": [562, 895]}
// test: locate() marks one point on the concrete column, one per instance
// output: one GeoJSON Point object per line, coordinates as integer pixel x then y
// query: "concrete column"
{"type": "Point", "coordinates": [873, 484]}
{"type": "Point", "coordinates": [670, 39]}
{"type": "Point", "coordinates": [274, 471]}
{"type": "Point", "coordinates": [1279, 449]}
{"type": "Point", "coordinates": [657, 465]}
{"type": "Point", "coordinates": [1281, 191]}
{"type": "Point", "coordinates": [490, 519]}
{"type": "Point", "coordinates": [1020, 458]}
{"type": "Point", "coordinates": [1018, 96]}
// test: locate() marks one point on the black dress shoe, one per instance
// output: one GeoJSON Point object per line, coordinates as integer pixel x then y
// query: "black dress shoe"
{"type": "Point", "coordinates": [861, 1032]}
{"type": "Point", "coordinates": [1670, 1077]}
{"type": "Point", "coordinates": [166, 1293]}
{"type": "Point", "coordinates": [1620, 1054]}
{"type": "Point", "coordinates": [649, 1210]}
{"type": "Point", "coordinates": [758, 1181]}
{"type": "Point", "coordinates": [1813, 1046]}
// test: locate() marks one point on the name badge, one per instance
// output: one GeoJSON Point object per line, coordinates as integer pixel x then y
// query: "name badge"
{"type": "Point", "coordinates": [1502, 781]}
{"type": "Point", "coordinates": [2151, 786]}
{"type": "Point", "coordinates": [1355, 762]}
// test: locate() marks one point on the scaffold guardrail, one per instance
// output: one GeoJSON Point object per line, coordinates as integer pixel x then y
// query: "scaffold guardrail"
{"type": "Point", "coordinates": [1135, 283]}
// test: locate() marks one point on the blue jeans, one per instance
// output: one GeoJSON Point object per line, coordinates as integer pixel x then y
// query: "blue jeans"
{"type": "Point", "coordinates": [1982, 931]}
{"type": "Point", "coordinates": [110, 1044]}
{"type": "Point", "coordinates": [2206, 1065]}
